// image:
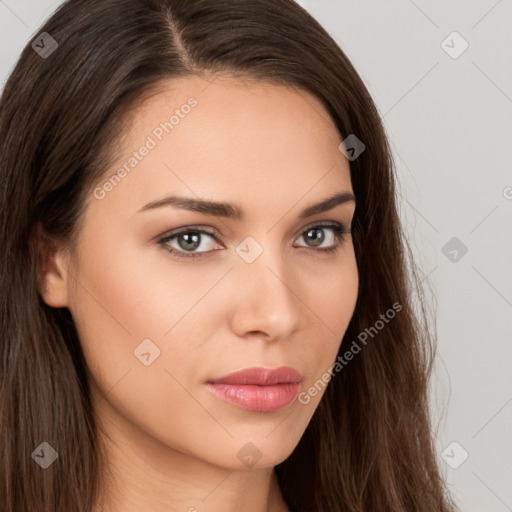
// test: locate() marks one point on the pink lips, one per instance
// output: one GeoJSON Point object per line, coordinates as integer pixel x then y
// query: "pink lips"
{"type": "Point", "coordinates": [258, 389]}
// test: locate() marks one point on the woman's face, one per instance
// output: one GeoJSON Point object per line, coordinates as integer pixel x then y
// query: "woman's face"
{"type": "Point", "coordinates": [250, 291]}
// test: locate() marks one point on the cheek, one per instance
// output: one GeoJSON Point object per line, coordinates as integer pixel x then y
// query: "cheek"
{"type": "Point", "coordinates": [339, 292]}
{"type": "Point", "coordinates": [123, 307]}
{"type": "Point", "coordinates": [332, 301]}
{"type": "Point", "coordinates": [140, 291]}
{"type": "Point", "coordinates": [134, 306]}
{"type": "Point", "coordinates": [331, 294]}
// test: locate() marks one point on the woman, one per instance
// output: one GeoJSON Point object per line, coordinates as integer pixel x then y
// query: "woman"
{"type": "Point", "coordinates": [205, 301]}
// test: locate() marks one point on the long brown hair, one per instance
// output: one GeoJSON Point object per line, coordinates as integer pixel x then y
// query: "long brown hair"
{"type": "Point", "coordinates": [369, 446]}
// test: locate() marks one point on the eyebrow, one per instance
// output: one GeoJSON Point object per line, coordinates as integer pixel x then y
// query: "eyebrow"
{"type": "Point", "coordinates": [232, 211]}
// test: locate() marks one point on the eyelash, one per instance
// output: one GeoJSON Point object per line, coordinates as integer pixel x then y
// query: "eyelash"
{"type": "Point", "coordinates": [339, 233]}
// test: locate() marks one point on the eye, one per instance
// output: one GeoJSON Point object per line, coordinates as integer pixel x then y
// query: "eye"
{"type": "Point", "coordinates": [188, 240]}
{"type": "Point", "coordinates": [314, 235]}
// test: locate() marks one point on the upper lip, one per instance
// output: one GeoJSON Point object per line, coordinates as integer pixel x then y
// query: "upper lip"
{"type": "Point", "coordinates": [260, 376]}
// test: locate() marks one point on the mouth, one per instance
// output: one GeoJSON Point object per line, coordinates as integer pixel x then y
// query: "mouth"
{"type": "Point", "coordinates": [258, 389]}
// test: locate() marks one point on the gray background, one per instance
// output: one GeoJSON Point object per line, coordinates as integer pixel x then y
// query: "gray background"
{"type": "Point", "coordinates": [449, 121]}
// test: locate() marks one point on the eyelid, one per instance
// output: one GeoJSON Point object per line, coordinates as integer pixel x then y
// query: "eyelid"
{"type": "Point", "coordinates": [193, 227]}
{"type": "Point", "coordinates": [325, 224]}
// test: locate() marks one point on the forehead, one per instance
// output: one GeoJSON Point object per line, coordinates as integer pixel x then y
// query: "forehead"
{"type": "Point", "coordinates": [227, 139]}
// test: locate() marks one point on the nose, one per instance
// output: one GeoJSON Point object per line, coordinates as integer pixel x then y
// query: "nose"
{"type": "Point", "coordinates": [265, 301]}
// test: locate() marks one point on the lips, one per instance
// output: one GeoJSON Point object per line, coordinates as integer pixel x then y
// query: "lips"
{"type": "Point", "coordinates": [258, 389]}
{"type": "Point", "coordinates": [261, 376]}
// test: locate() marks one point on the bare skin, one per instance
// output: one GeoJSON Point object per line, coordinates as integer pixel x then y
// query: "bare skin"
{"type": "Point", "coordinates": [271, 150]}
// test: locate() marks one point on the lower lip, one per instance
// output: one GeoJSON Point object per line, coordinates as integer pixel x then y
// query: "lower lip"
{"type": "Point", "coordinates": [257, 398]}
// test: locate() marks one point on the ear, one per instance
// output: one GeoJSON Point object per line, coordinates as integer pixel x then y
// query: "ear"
{"type": "Point", "coordinates": [52, 270]}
